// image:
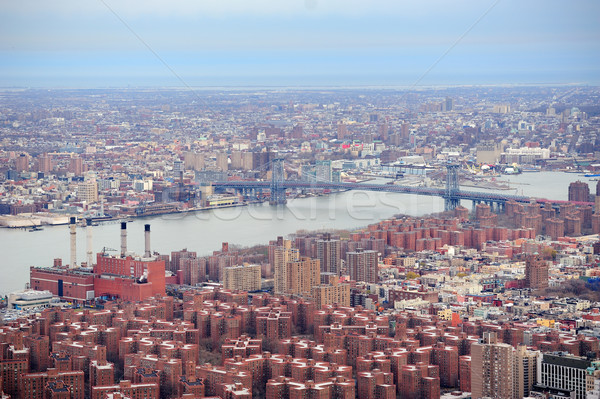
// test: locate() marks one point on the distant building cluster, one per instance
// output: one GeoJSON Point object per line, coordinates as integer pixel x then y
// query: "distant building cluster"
{"type": "Point", "coordinates": [104, 156]}
{"type": "Point", "coordinates": [497, 301]}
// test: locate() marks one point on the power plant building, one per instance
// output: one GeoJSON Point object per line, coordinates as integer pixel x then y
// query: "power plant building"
{"type": "Point", "coordinates": [124, 276]}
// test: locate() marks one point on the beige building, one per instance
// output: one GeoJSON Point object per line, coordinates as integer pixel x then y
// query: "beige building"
{"type": "Point", "coordinates": [193, 160]}
{"type": "Point", "coordinates": [243, 278]}
{"type": "Point", "coordinates": [526, 363]}
{"type": "Point", "coordinates": [237, 162]}
{"type": "Point", "coordinates": [222, 162]}
{"type": "Point", "coordinates": [283, 255]}
{"type": "Point", "coordinates": [409, 261]}
{"type": "Point", "coordinates": [88, 191]}
{"type": "Point", "coordinates": [331, 293]}
{"type": "Point", "coordinates": [302, 276]}
{"type": "Point", "coordinates": [492, 369]}
{"type": "Point", "coordinates": [489, 152]}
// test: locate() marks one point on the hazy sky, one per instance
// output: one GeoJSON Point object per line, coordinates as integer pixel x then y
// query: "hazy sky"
{"type": "Point", "coordinates": [297, 42]}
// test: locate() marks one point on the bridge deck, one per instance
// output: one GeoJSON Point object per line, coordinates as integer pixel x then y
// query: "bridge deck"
{"type": "Point", "coordinates": [393, 188]}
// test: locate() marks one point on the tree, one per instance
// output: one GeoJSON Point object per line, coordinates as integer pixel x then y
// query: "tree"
{"type": "Point", "coordinates": [269, 345]}
{"type": "Point", "coordinates": [549, 253]}
{"type": "Point", "coordinates": [411, 275]}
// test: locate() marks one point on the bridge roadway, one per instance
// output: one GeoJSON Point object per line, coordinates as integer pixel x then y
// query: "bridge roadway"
{"type": "Point", "coordinates": [475, 196]}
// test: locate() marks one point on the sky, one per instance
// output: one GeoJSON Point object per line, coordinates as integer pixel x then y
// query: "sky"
{"type": "Point", "coordinates": [124, 43]}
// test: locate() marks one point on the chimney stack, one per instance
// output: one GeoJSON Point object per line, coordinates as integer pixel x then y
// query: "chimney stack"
{"type": "Point", "coordinates": [88, 231]}
{"type": "Point", "coordinates": [147, 253]}
{"type": "Point", "coordinates": [73, 233]}
{"type": "Point", "coordinates": [123, 239]}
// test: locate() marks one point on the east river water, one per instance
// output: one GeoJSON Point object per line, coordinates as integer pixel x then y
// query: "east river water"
{"type": "Point", "coordinates": [204, 232]}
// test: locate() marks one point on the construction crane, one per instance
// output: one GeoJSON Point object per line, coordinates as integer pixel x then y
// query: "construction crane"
{"type": "Point", "coordinates": [577, 164]}
{"type": "Point", "coordinates": [107, 249]}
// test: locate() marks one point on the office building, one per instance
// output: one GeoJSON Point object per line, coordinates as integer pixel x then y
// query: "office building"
{"type": "Point", "coordinates": [302, 276]}
{"type": "Point", "coordinates": [559, 371]}
{"type": "Point", "coordinates": [193, 160]}
{"type": "Point", "coordinates": [44, 163]}
{"type": "Point", "coordinates": [526, 362]}
{"type": "Point", "coordinates": [488, 152]}
{"type": "Point", "coordinates": [331, 292]}
{"type": "Point", "coordinates": [243, 278]}
{"type": "Point", "coordinates": [282, 255]}
{"type": "Point", "coordinates": [536, 272]}
{"type": "Point", "coordinates": [222, 161]}
{"type": "Point", "coordinates": [492, 372]}
{"type": "Point", "coordinates": [579, 191]}
{"type": "Point", "coordinates": [555, 228]}
{"type": "Point", "coordinates": [362, 265]}
{"type": "Point", "coordinates": [76, 166]}
{"type": "Point", "coordinates": [448, 104]}
{"type": "Point", "coordinates": [323, 171]}
{"type": "Point", "coordinates": [297, 132]}
{"type": "Point", "coordinates": [342, 131]}
{"type": "Point", "coordinates": [328, 253]}
{"type": "Point", "coordinates": [22, 163]}
{"type": "Point", "coordinates": [193, 270]}
{"type": "Point", "coordinates": [87, 191]}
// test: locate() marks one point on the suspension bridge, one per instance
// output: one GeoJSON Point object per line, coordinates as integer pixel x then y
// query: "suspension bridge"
{"type": "Point", "coordinates": [452, 194]}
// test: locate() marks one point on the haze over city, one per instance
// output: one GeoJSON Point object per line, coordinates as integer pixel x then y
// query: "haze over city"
{"type": "Point", "coordinates": [297, 43]}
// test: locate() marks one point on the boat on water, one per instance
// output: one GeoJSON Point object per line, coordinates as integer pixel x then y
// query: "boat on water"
{"type": "Point", "coordinates": [35, 228]}
{"type": "Point", "coordinates": [531, 169]}
{"type": "Point", "coordinates": [511, 171]}
{"type": "Point", "coordinates": [592, 175]}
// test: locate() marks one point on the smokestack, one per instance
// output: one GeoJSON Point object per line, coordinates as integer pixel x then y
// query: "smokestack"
{"type": "Point", "coordinates": [123, 238]}
{"type": "Point", "coordinates": [88, 232]}
{"type": "Point", "coordinates": [147, 253]}
{"type": "Point", "coordinates": [73, 233]}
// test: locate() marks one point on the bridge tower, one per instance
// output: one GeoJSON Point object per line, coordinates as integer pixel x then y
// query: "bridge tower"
{"type": "Point", "coordinates": [277, 178]}
{"type": "Point", "coordinates": [451, 199]}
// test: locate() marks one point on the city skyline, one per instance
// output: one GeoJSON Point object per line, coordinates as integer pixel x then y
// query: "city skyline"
{"type": "Point", "coordinates": [299, 199]}
{"type": "Point", "coordinates": [370, 243]}
{"type": "Point", "coordinates": [303, 43]}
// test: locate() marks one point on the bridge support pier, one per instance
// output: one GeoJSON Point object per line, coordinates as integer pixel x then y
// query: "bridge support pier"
{"type": "Point", "coordinates": [451, 198]}
{"type": "Point", "coordinates": [277, 187]}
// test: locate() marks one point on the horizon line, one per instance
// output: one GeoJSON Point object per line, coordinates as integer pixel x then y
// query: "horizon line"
{"type": "Point", "coordinates": [308, 86]}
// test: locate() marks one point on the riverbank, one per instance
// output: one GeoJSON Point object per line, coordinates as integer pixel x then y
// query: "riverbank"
{"type": "Point", "coordinates": [27, 221]}
{"type": "Point", "coordinates": [46, 219]}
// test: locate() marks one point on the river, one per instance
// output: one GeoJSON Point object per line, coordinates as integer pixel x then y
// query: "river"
{"type": "Point", "coordinates": [204, 232]}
